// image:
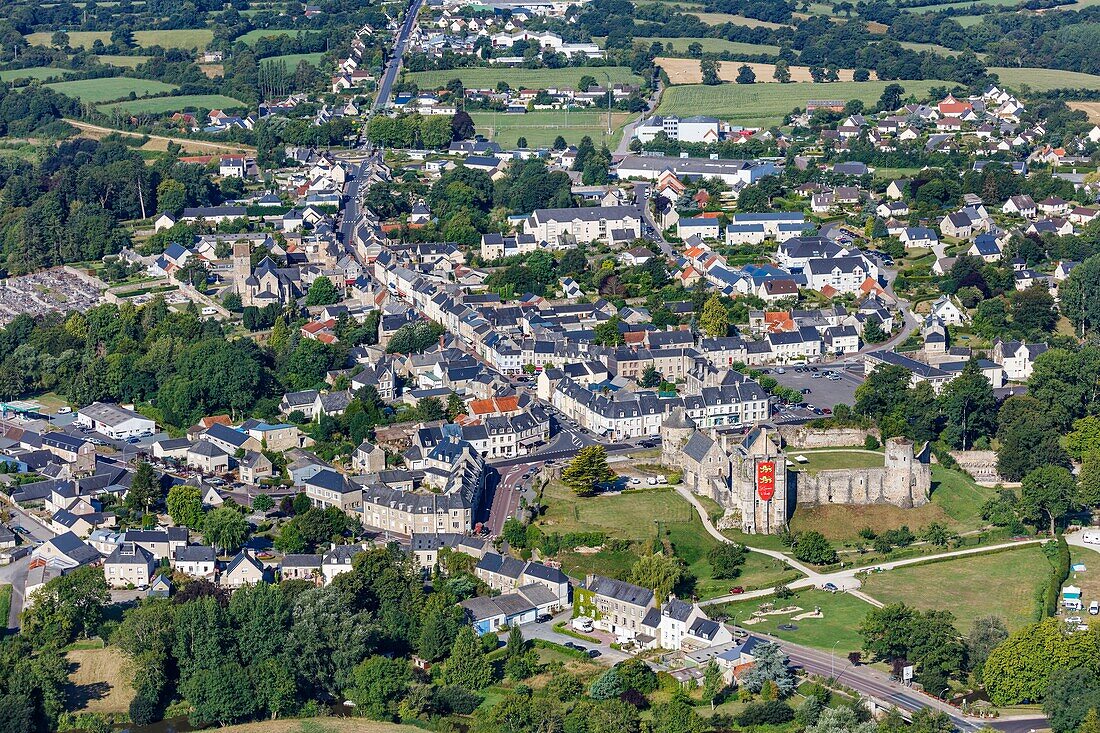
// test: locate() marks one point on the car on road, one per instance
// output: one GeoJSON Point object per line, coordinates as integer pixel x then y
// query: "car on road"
{"type": "Point", "coordinates": [827, 410]}
{"type": "Point", "coordinates": [831, 587]}
{"type": "Point", "coordinates": [543, 618]}
{"type": "Point", "coordinates": [134, 441]}
{"type": "Point", "coordinates": [593, 653]}
{"type": "Point", "coordinates": [570, 645]}
{"type": "Point", "coordinates": [815, 375]}
{"type": "Point", "coordinates": [737, 590]}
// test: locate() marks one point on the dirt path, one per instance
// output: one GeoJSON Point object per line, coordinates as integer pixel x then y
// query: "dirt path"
{"type": "Point", "coordinates": [200, 146]}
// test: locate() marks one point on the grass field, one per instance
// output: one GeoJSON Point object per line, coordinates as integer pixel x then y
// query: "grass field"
{"type": "Point", "coordinates": [5, 607]}
{"type": "Point", "coordinates": [958, 496]}
{"type": "Point", "coordinates": [128, 62]}
{"type": "Point", "coordinates": [98, 682]}
{"type": "Point", "coordinates": [722, 18]}
{"type": "Point", "coordinates": [688, 71]}
{"type": "Point", "coordinates": [161, 105]}
{"type": "Point", "coordinates": [540, 128]}
{"type": "Point", "coordinates": [186, 38]}
{"type": "Point", "coordinates": [767, 104]}
{"type": "Point", "coordinates": [631, 515]}
{"type": "Point", "coordinates": [967, 21]}
{"type": "Point", "coordinates": [824, 460]}
{"type": "Point", "coordinates": [1092, 109]}
{"type": "Point", "coordinates": [108, 89]}
{"type": "Point", "coordinates": [39, 72]}
{"type": "Point", "coordinates": [1007, 4]}
{"type": "Point", "coordinates": [292, 60]}
{"type": "Point", "coordinates": [1002, 584]}
{"type": "Point", "coordinates": [839, 624]}
{"type": "Point", "coordinates": [1087, 580]}
{"type": "Point", "coordinates": [1043, 79]}
{"type": "Point", "coordinates": [252, 36]}
{"type": "Point", "coordinates": [489, 77]}
{"type": "Point", "coordinates": [320, 725]}
{"type": "Point", "coordinates": [713, 45]}
{"type": "Point", "coordinates": [933, 47]}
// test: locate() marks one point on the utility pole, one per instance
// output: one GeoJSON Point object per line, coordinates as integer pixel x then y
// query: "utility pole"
{"type": "Point", "coordinates": [608, 77]}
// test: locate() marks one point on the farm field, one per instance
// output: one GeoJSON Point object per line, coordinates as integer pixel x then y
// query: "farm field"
{"type": "Point", "coordinates": [38, 72]}
{"type": "Point", "coordinates": [484, 78]}
{"type": "Point", "coordinates": [129, 62]}
{"type": "Point", "coordinates": [186, 38]}
{"type": "Point", "coordinates": [292, 60]}
{"type": "Point", "coordinates": [540, 128]}
{"type": "Point", "coordinates": [160, 105]}
{"type": "Point", "coordinates": [966, 21]}
{"type": "Point", "coordinates": [711, 45]}
{"type": "Point", "coordinates": [1044, 79]}
{"type": "Point", "coordinates": [687, 71]}
{"type": "Point", "coordinates": [98, 682]}
{"type": "Point", "coordinates": [252, 36]}
{"type": "Point", "coordinates": [1007, 4]}
{"type": "Point", "coordinates": [94, 91]}
{"type": "Point", "coordinates": [964, 586]}
{"type": "Point", "coordinates": [839, 624]}
{"type": "Point", "coordinates": [767, 104]}
{"type": "Point", "coordinates": [933, 47]}
{"type": "Point", "coordinates": [722, 18]}
{"type": "Point", "coordinates": [1092, 109]}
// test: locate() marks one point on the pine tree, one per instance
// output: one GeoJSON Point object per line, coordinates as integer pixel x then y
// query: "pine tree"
{"type": "Point", "coordinates": [713, 683]}
{"type": "Point", "coordinates": [715, 318]}
{"type": "Point", "coordinates": [279, 334]}
{"type": "Point", "coordinates": [144, 489]}
{"type": "Point", "coordinates": [588, 469]}
{"type": "Point", "coordinates": [467, 666]}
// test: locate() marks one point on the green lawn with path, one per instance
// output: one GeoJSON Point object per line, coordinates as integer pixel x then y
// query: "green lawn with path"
{"type": "Point", "coordinates": [836, 630]}
{"type": "Point", "coordinates": [836, 458]}
{"type": "Point", "coordinates": [998, 584]}
{"type": "Point", "coordinates": [767, 104]}
{"type": "Point", "coordinates": [162, 105]}
{"type": "Point", "coordinates": [108, 89]}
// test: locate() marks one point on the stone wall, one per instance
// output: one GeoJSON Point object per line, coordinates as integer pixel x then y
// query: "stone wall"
{"type": "Point", "coordinates": [801, 436]}
{"type": "Point", "coordinates": [905, 480]}
{"type": "Point", "coordinates": [980, 464]}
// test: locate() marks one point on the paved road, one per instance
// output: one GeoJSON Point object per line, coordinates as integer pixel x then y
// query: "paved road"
{"type": "Point", "coordinates": [389, 76]}
{"type": "Point", "coordinates": [15, 574]}
{"type": "Point", "coordinates": [546, 632]}
{"type": "Point", "coordinates": [351, 211]}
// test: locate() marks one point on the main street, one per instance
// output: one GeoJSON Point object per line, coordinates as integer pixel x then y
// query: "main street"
{"type": "Point", "coordinates": [389, 76]}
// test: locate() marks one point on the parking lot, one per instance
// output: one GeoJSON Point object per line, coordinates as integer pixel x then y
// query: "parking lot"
{"type": "Point", "coordinates": [824, 392]}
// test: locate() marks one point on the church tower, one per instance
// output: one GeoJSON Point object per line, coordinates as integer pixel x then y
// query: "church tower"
{"type": "Point", "coordinates": [242, 270]}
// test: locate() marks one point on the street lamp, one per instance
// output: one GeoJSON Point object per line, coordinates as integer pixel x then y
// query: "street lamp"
{"type": "Point", "coordinates": [608, 76]}
{"type": "Point", "coordinates": [832, 661]}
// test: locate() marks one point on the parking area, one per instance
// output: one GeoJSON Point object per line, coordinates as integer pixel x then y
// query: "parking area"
{"type": "Point", "coordinates": [828, 386]}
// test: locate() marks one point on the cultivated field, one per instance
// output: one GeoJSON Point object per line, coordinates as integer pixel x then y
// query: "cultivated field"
{"type": "Point", "coordinates": [108, 89]}
{"type": "Point", "coordinates": [963, 4]}
{"type": "Point", "coordinates": [39, 72]}
{"type": "Point", "coordinates": [687, 71]}
{"type": "Point", "coordinates": [252, 36]}
{"type": "Point", "coordinates": [488, 78]}
{"type": "Point", "coordinates": [722, 18]}
{"type": "Point", "coordinates": [1043, 79]}
{"type": "Point", "coordinates": [98, 681]}
{"type": "Point", "coordinates": [128, 62]}
{"type": "Point", "coordinates": [540, 128]}
{"type": "Point", "coordinates": [292, 60]}
{"type": "Point", "coordinates": [186, 38]}
{"type": "Point", "coordinates": [767, 104]}
{"type": "Point", "coordinates": [710, 45]}
{"type": "Point", "coordinates": [1092, 109]}
{"type": "Point", "coordinates": [1002, 584]}
{"type": "Point", "coordinates": [162, 105]}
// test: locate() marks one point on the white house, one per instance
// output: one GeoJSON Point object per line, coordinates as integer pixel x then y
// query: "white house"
{"type": "Point", "coordinates": [115, 421]}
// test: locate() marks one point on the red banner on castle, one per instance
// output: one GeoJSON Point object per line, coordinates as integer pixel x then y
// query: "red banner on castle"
{"type": "Point", "coordinates": [765, 480]}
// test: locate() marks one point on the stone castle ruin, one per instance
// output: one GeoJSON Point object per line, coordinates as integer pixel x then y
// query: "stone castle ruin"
{"type": "Point", "coordinates": [723, 466]}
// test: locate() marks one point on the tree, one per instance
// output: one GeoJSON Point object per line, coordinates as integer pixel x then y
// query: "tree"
{"type": "Point", "coordinates": [67, 606]}
{"type": "Point", "coordinates": [559, 143]}
{"type": "Point", "coordinates": [225, 528]}
{"type": "Point", "coordinates": [726, 560]}
{"type": "Point", "coordinates": [769, 666]}
{"type": "Point", "coordinates": [1088, 489]}
{"type": "Point", "coordinates": [521, 143]}
{"type": "Point", "coordinates": [221, 694]}
{"type": "Point", "coordinates": [709, 69]}
{"type": "Point", "coordinates": [873, 333]}
{"type": "Point", "coordinates": [1070, 695]}
{"type": "Point", "coordinates": [713, 683]}
{"type": "Point", "coordinates": [1084, 438]}
{"type": "Point", "coordinates": [657, 572]}
{"type": "Point", "coordinates": [1021, 667]}
{"type": "Point", "coordinates": [745, 75]}
{"type": "Point", "coordinates": [1033, 309]}
{"type": "Point", "coordinates": [378, 683]}
{"type": "Point", "coordinates": [650, 377]}
{"type": "Point", "coordinates": [891, 97]}
{"type": "Point", "coordinates": [455, 406]}
{"type": "Point", "coordinates": [467, 666]}
{"type": "Point", "coordinates": [1050, 491]}
{"type": "Point", "coordinates": [144, 492]}
{"type": "Point", "coordinates": [1091, 723]}
{"type": "Point", "coordinates": [607, 333]}
{"type": "Point", "coordinates": [263, 503]}
{"type": "Point", "coordinates": [462, 126]}
{"type": "Point", "coordinates": [587, 471]}
{"type": "Point", "coordinates": [885, 631]}
{"type": "Point", "coordinates": [715, 318]}
{"type": "Point", "coordinates": [969, 407]}
{"type": "Point", "coordinates": [322, 292]}
{"type": "Point", "coordinates": [782, 73]}
{"type": "Point", "coordinates": [812, 547]}
{"type": "Point", "coordinates": [439, 625]}
{"type": "Point", "coordinates": [185, 505]}
{"type": "Point", "coordinates": [676, 716]}
{"type": "Point", "coordinates": [608, 685]}
{"type": "Point", "coordinates": [430, 409]}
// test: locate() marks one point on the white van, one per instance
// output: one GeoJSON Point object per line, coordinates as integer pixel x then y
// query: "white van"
{"type": "Point", "coordinates": [209, 311]}
{"type": "Point", "coordinates": [64, 410]}
{"type": "Point", "coordinates": [1094, 608]}
{"type": "Point", "coordinates": [661, 479]}
{"type": "Point", "coordinates": [582, 623]}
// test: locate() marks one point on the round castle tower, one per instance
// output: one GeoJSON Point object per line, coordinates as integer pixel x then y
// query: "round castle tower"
{"type": "Point", "coordinates": [676, 428]}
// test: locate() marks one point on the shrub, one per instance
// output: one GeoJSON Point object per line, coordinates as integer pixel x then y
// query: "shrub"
{"type": "Point", "coordinates": [773, 712]}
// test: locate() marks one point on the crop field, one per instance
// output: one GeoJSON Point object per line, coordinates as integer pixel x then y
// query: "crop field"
{"type": "Point", "coordinates": [108, 89]}
{"type": "Point", "coordinates": [161, 105]}
{"type": "Point", "coordinates": [185, 38]}
{"type": "Point", "coordinates": [38, 72]}
{"type": "Point", "coordinates": [712, 45]}
{"type": "Point", "coordinates": [128, 62]}
{"type": "Point", "coordinates": [1043, 79]}
{"type": "Point", "coordinates": [488, 78]}
{"type": "Point", "coordinates": [540, 128]}
{"type": "Point", "coordinates": [687, 71]}
{"type": "Point", "coordinates": [722, 18]}
{"type": "Point", "coordinates": [767, 104]}
{"type": "Point", "coordinates": [292, 60]}
{"type": "Point", "coordinates": [252, 36]}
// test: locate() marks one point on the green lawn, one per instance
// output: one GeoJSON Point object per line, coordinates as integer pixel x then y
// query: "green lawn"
{"type": "Point", "coordinates": [767, 104]}
{"type": "Point", "coordinates": [711, 45]}
{"type": "Point", "coordinates": [1043, 79]}
{"type": "Point", "coordinates": [889, 174]}
{"type": "Point", "coordinates": [542, 127]}
{"type": "Point", "coordinates": [958, 496]}
{"type": "Point", "coordinates": [5, 607]}
{"type": "Point", "coordinates": [723, 18]}
{"type": "Point", "coordinates": [38, 72]}
{"type": "Point", "coordinates": [129, 62]}
{"type": "Point", "coordinates": [489, 77]}
{"type": "Point", "coordinates": [1001, 584]}
{"type": "Point", "coordinates": [252, 36]}
{"type": "Point", "coordinates": [834, 458]}
{"type": "Point", "coordinates": [185, 38]}
{"type": "Point", "coordinates": [933, 47]}
{"type": "Point", "coordinates": [109, 89]}
{"type": "Point", "coordinates": [967, 21]}
{"type": "Point", "coordinates": [292, 60]}
{"type": "Point", "coordinates": [161, 105]}
{"type": "Point", "coordinates": [839, 625]}
{"type": "Point", "coordinates": [631, 515]}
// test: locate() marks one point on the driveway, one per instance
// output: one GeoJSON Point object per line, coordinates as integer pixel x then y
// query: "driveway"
{"type": "Point", "coordinates": [15, 575]}
{"type": "Point", "coordinates": [546, 632]}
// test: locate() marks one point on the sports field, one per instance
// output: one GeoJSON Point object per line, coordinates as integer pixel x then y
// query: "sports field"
{"type": "Point", "coordinates": [111, 88]}
{"type": "Point", "coordinates": [292, 60]}
{"type": "Point", "coordinates": [39, 72]}
{"type": "Point", "coordinates": [1041, 80]}
{"type": "Point", "coordinates": [185, 38]}
{"type": "Point", "coordinates": [129, 62]}
{"type": "Point", "coordinates": [161, 105]}
{"type": "Point", "coordinates": [1001, 584]}
{"type": "Point", "coordinates": [540, 128]}
{"type": "Point", "coordinates": [488, 78]}
{"type": "Point", "coordinates": [767, 104]}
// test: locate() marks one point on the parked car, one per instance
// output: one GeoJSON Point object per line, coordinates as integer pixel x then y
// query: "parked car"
{"type": "Point", "coordinates": [737, 590]}
{"type": "Point", "coordinates": [543, 618]}
{"type": "Point", "coordinates": [593, 653]}
{"type": "Point", "coordinates": [1094, 608]}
